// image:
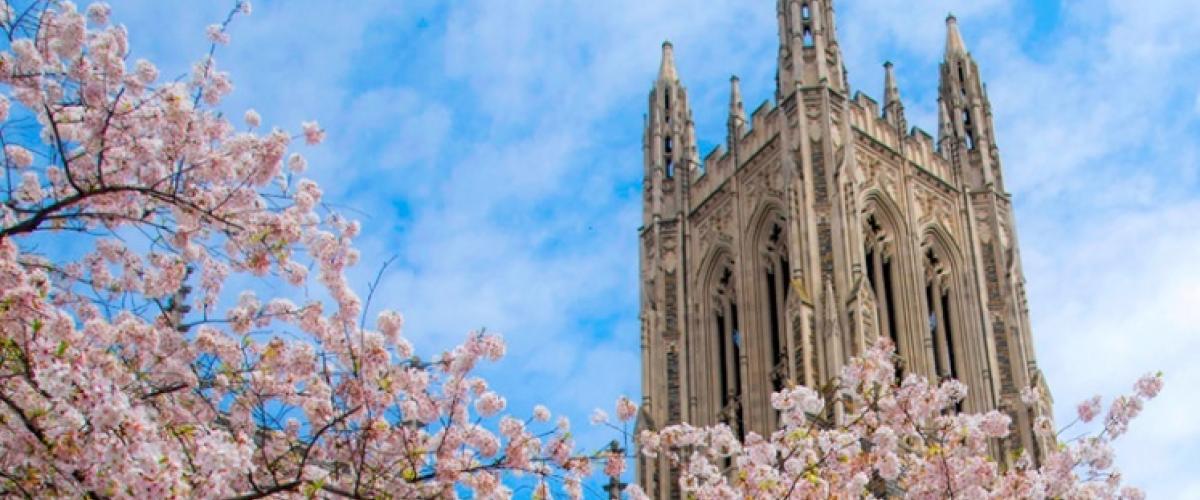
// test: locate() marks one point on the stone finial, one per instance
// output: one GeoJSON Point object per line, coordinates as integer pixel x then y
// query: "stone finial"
{"type": "Point", "coordinates": [891, 92]}
{"type": "Point", "coordinates": [737, 111]}
{"type": "Point", "coordinates": [945, 126]}
{"type": "Point", "coordinates": [954, 41]}
{"type": "Point", "coordinates": [666, 71]}
{"type": "Point", "coordinates": [832, 325]}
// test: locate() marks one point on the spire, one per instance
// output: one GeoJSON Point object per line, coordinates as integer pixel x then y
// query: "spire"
{"type": "Point", "coordinates": [670, 139]}
{"type": "Point", "coordinates": [666, 70]}
{"type": "Point", "coordinates": [808, 47]}
{"type": "Point", "coordinates": [965, 119]}
{"type": "Point", "coordinates": [737, 112]}
{"type": "Point", "coordinates": [954, 41]}
{"type": "Point", "coordinates": [893, 109]}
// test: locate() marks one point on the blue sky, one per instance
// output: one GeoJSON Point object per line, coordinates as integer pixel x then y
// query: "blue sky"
{"type": "Point", "coordinates": [494, 148]}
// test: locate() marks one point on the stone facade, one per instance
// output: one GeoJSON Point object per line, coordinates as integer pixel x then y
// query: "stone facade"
{"type": "Point", "coordinates": [821, 225]}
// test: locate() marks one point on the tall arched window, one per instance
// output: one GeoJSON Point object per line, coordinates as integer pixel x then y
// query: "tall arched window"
{"type": "Point", "coordinates": [881, 274]}
{"type": "Point", "coordinates": [729, 345]}
{"type": "Point", "coordinates": [940, 310]}
{"type": "Point", "coordinates": [776, 271]}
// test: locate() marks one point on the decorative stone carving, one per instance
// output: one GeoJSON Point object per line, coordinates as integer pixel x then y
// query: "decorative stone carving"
{"type": "Point", "coordinates": [669, 262]}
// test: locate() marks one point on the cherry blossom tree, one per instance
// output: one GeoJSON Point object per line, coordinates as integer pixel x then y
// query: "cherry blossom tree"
{"type": "Point", "coordinates": [130, 205]}
{"type": "Point", "coordinates": [866, 435]}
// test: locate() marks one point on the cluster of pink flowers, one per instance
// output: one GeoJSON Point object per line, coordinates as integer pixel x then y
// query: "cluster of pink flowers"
{"type": "Point", "coordinates": [866, 435]}
{"type": "Point", "coordinates": [122, 374]}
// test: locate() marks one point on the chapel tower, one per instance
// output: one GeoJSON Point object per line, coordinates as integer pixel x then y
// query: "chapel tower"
{"type": "Point", "coordinates": [820, 225]}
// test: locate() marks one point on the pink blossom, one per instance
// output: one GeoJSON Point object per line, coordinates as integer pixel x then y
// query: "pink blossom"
{"type": "Point", "coordinates": [244, 6]}
{"type": "Point", "coordinates": [878, 439]}
{"type": "Point", "coordinates": [252, 119]}
{"type": "Point", "coordinates": [1149, 385]}
{"type": "Point", "coordinates": [216, 34]}
{"type": "Point", "coordinates": [1131, 493]}
{"type": "Point", "coordinates": [313, 134]}
{"type": "Point", "coordinates": [30, 189]}
{"type": "Point", "coordinates": [1030, 396]}
{"type": "Point", "coordinates": [626, 410]}
{"type": "Point", "coordinates": [541, 413]}
{"type": "Point", "coordinates": [390, 323]}
{"type": "Point", "coordinates": [98, 13]}
{"type": "Point", "coordinates": [1043, 426]}
{"type": "Point", "coordinates": [1088, 410]}
{"type": "Point", "coordinates": [489, 404]}
{"type": "Point", "coordinates": [18, 156]}
{"type": "Point", "coordinates": [614, 465]}
{"type": "Point", "coordinates": [296, 163]}
{"type": "Point", "coordinates": [599, 416]}
{"type": "Point", "coordinates": [146, 72]}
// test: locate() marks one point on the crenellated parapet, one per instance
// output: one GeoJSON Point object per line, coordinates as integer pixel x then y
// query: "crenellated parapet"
{"type": "Point", "coordinates": [916, 146]}
{"type": "Point", "coordinates": [723, 161]}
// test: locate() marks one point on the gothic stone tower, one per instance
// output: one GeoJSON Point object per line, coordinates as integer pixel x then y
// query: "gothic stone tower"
{"type": "Point", "coordinates": [823, 224]}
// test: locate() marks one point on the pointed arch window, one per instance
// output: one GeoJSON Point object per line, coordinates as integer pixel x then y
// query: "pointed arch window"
{"type": "Point", "coordinates": [776, 271]}
{"type": "Point", "coordinates": [805, 13]}
{"type": "Point", "coordinates": [881, 277]}
{"type": "Point", "coordinates": [808, 37]}
{"type": "Point", "coordinates": [939, 310]}
{"type": "Point", "coordinates": [729, 345]}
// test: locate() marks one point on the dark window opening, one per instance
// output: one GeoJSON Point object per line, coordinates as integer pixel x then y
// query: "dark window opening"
{"type": "Point", "coordinates": [722, 370]}
{"type": "Point", "coordinates": [889, 304]}
{"type": "Point", "coordinates": [737, 372]}
{"type": "Point", "coordinates": [668, 148]}
{"type": "Point", "coordinates": [737, 339]}
{"type": "Point", "coordinates": [787, 273]}
{"type": "Point", "coordinates": [970, 140]}
{"type": "Point", "coordinates": [870, 266]}
{"type": "Point", "coordinates": [804, 12]}
{"type": "Point", "coordinates": [966, 117]}
{"type": "Point", "coordinates": [962, 76]}
{"type": "Point", "coordinates": [667, 102]}
{"type": "Point", "coordinates": [777, 353]}
{"type": "Point", "coordinates": [949, 332]}
{"type": "Point", "coordinates": [808, 37]}
{"type": "Point", "coordinates": [933, 330]}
